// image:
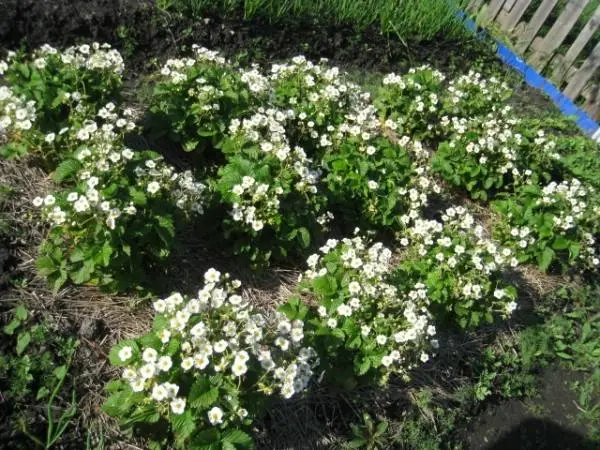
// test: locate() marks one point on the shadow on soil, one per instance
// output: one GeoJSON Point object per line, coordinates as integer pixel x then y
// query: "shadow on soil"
{"type": "Point", "coordinates": [545, 422]}
{"type": "Point", "coordinates": [541, 434]}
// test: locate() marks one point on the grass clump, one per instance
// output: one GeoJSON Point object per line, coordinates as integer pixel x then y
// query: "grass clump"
{"type": "Point", "coordinates": [408, 19]}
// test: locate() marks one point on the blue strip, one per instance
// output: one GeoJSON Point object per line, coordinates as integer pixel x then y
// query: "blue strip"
{"type": "Point", "coordinates": [534, 79]}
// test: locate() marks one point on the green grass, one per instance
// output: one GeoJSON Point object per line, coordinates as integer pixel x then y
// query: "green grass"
{"type": "Point", "coordinates": [410, 20]}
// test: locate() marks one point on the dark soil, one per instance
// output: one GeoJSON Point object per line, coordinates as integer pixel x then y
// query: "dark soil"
{"type": "Point", "coordinates": [542, 423]}
{"type": "Point", "coordinates": [143, 33]}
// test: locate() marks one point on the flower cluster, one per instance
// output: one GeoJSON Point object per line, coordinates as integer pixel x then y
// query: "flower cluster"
{"type": "Point", "coordinates": [58, 84]}
{"type": "Point", "coordinates": [17, 116]}
{"type": "Point", "coordinates": [472, 94]}
{"type": "Point", "coordinates": [375, 328]}
{"type": "Point", "coordinates": [410, 103]}
{"type": "Point", "coordinates": [487, 154]}
{"type": "Point", "coordinates": [176, 69]}
{"type": "Point", "coordinates": [196, 98]}
{"type": "Point", "coordinates": [256, 205]}
{"type": "Point", "coordinates": [418, 102]}
{"type": "Point", "coordinates": [210, 354]}
{"type": "Point", "coordinates": [116, 193]}
{"type": "Point", "coordinates": [318, 94]}
{"type": "Point", "coordinates": [460, 266]}
{"type": "Point", "coordinates": [543, 223]}
{"type": "Point", "coordinates": [269, 182]}
{"type": "Point", "coordinates": [92, 57]}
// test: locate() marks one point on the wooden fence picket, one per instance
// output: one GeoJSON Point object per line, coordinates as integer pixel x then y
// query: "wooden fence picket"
{"type": "Point", "coordinates": [584, 74]}
{"type": "Point", "coordinates": [560, 68]}
{"type": "Point", "coordinates": [544, 53]}
{"type": "Point", "coordinates": [510, 16]}
{"type": "Point", "coordinates": [492, 10]}
{"type": "Point", "coordinates": [532, 28]}
{"type": "Point", "coordinates": [557, 34]}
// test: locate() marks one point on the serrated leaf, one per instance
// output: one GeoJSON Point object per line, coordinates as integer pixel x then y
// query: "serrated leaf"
{"type": "Point", "coordinates": [165, 229]}
{"type": "Point", "coordinates": [46, 266]}
{"type": "Point", "coordinates": [238, 437]}
{"type": "Point", "coordinates": [144, 414]}
{"type": "Point", "coordinates": [202, 394]}
{"type": "Point", "coordinates": [84, 273]}
{"type": "Point", "coordinates": [206, 399]}
{"type": "Point", "coordinates": [183, 425]}
{"type": "Point", "coordinates": [119, 404]}
{"type": "Point", "coordinates": [207, 439]}
{"type": "Point", "coordinates": [190, 145]}
{"type": "Point", "coordinates": [138, 197]}
{"type": "Point", "coordinates": [325, 285]}
{"type": "Point", "coordinates": [151, 340]}
{"type": "Point", "coordinates": [545, 259]}
{"type": "Point", "coordinates": [560, 243]}
{"type": "Point", "coordinates": [66, 170]}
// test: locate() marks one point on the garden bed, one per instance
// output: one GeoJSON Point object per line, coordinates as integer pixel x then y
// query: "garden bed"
{"type": "Point", "coordinates": [89, 274]}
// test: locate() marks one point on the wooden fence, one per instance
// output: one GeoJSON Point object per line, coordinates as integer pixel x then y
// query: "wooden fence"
{"type": "Point", "coordinates": [568, 67]}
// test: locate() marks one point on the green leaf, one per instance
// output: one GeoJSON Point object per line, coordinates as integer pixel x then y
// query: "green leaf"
{"type": "Point", "coordinates": [42, 392]}
{"type": "Point", "coordinates": [119, 404]}
{"type": "Point", "coordinates": [165, 229]}
{"type": "Point", "coordinates": [574, 249]}
{"type": "Point", "coordinates": [560, 243]}
{"type": "Point", "coordinates": [289, 310]}
{"type": "Point", "coordinates": [21, 312]}
{"type": "Point", "coordinates": [208, 437]}
{"type": "Point", "coordinates": [84, 273]}
{"type": "Point", "coordinates": [77, 255]}
{"type": "Point", "coordinates": [364, 366]}
{"type": "Point", "coordinates": [304, 237]}
{"type": "Point", "coordinates": [46, 266]}
{"type": "Point", "coordinates": [325, 285]}
{"type": "Point", "coordinates": [66, 170]}
{"type": "Point", "coordinates": [238, 437]}
{"type": "Point", "coordinates": [138, 197]}
{"type": "Point", "coordinates": [354, 343]}
{"type": "Point", "coordinates": [206, 399]}
{"type": "Point", "coordinates": [23, 341]}
{"type": "Point", "coordinates": [60, 280]}
{"type": "Point", "coordinates": [60, 372]}
{"type": "Point", "coordinates": [190, 145]}
{"type": "Point", "coordinates": [331, 266]}
{"type": "Point", "coordinates": [106, 253]}
{"type": "Point", "coordinates": [23, 69]}
{"type": "Point", "coordinates": [143, 414]}
{"type": "Point", "coordinates": [12, 326]}
{"type": "Point", "coordinates": [545, 259]}
{"type": "Point", "coordinates": [183, 425]}
{"type": "Point", "coordinates": [151, 340]}
{"type": "Point", "coordinates": [563, 355]}
{"type": "Point", "coordinates": [202, 394]}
